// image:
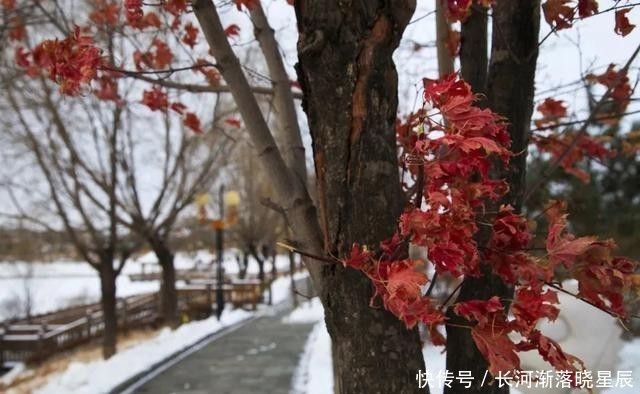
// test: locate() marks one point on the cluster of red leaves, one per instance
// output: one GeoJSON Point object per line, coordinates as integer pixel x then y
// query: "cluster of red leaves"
{"type": "Point", "coordinates": [552, 112]}
{"type": "Point", "coordinates": [572, 148]}
{"type": "Point", "coordinates": [158, 58]}
{"type": "Point", "coordinates": [455, 150]}
{"type": "Point", "coordinates": [456, 175]}
{"type": "Point", "coordinates": [105, 13]}
{"type": "Point", "coordinates": [617, 83]}
{"type": "Point", "coordinates": [157, 100]}
{"type": "Point", "coordinates": [398, 284]}
{"type": "Point", "coordinates": [210, 73]}
{"type": "Point", "coordinates": [70, 62]}
{"type": "Point", "coordinates": [561, 14]}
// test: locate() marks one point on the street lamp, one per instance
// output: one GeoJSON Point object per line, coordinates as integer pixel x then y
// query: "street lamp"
{"type": "Point", "coordinates": [230, 199]}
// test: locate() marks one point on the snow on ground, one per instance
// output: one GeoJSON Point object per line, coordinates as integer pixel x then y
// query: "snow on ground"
{"type": "Point", "coordinates": [314, 374]}
{"type": "Point", "coordinates": [309, 312]}
{"type": "Point", "coordinates": [281, 287]}
{"type": "Point", "coordinates": [629, 357]}
{"type": "Point", "coordinates": [53, 286]}
{"type": "Point", "coordinates": [103, 375]}
{"type": "Point", "coordinates": [57, 285]}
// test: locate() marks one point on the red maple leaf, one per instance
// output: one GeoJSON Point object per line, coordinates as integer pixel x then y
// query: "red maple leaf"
{"type": "Point", "coordinates": [247, 3]}
{"type": "Point", "coordinates": [551, 352]}
{"type": "Point", "coordinates": [623, 26]}
{"type": "Point", "coordinates": [233, 122]}
{"type": "Point", "coordinates": [190, 35]}
{"type": "Point", "coordinates": [232, 30]}
{"type": "Point", "coordinates": [404, 281]}
{"type": "Point", "coordinates": [531, 305]}
{"type": "Point", "coordinates": [458, 10]}
{"type": "Point", "coordinates": [175, 7]}
{"type": "Point", "coordinates": [558, 14]}
{"type": "Point", "coordinates": [563, 247]}
{"type": "Point", "coordinates": [192, 121]}
{"type": "Point", "coordinates": [162, 56]}
{"type": "Point", "coordinates": [496, 347]}
{"type": "Point", "coordinates": [178, 107]}
{"type": "Point", "coordinates": [587, 8]}
{"type": "Point", "coordinates": [359, 258]}
{"type": "Point", "coordinates": [552, 111]}
{"type": "Point", "coordinates": [155, 99]}
{"type": "Point", "coordinates": [478, 310]}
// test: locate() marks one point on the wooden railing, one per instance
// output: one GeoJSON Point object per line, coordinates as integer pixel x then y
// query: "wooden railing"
{"type": "Point", "coordinates": [47, 334]}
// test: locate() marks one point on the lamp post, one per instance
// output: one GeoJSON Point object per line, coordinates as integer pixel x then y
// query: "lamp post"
{"type": "Point", "coordinates": [220, 246]}
{"type": "Point", "coordinates": [229, 200]}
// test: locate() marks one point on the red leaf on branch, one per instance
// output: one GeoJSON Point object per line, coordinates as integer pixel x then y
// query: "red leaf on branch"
{"type": "Point", "coordinates": [558, 14]}
{"type": "Point", "coordinates": [233, 122]}
{"type": "Point", "coordinates": [155, 99]}
{"type": "Point", "coordinates": [510, 231]}
{"type": "Point", "coordinates": [359, 258]}
{"type": "Point", "coordinates": [178, 107]}
{"type": "Point", "coordinates": [162, 56]}
{"type": "Point", "coordinates": [552, 111]}
{"type": "Point", "coordinates": [105, 13]}
{"type": "Point", "coordinates": [247, 3]}
{"type": "Point", "coordinates": [623, 26]}
{"type": "Point", "coordinates": [478, 310]}
{"type": "Point", "coordinates": [458, 10]}
{"type": "Point", "coordinates": [232, 31]}
{"type": "Point", "coordinates": [563, 247]}
{"type": "Point", "coordinates": [586, 8]}
{"type": "Point", "coordinates": [192, 121]}
{"type": "Point", "coordinates": [531, 305]}
{"type": "Point", "coordinates": [404, 281]}
{"type": "Point", "coordinates": [175, 7]}
{"type": "Point", "coordinates": [496, 347]}
{"type": "Point", "coordinates": [71, 62]}
{"type": "Point", "coordinates": [551, 352]}
{"type": "Point", "coordinates": [133, 11]}
{"type": "Point", "coordinates": [190, 37]}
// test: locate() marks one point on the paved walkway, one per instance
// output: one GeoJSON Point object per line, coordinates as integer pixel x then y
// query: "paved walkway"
{"type": "Point", "coordinates": [259, 357]}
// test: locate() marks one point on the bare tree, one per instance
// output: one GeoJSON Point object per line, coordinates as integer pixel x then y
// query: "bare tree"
{"type": "Point", "coordinates": [81, 188]}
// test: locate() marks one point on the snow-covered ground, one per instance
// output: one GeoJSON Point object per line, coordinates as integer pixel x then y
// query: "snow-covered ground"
{"type": "Point", "coordinates": [101, 376]}
{"type": "Point", "coordinates": [629, 361]}
{"type": "Point", "coordinates": [314, 374]}
{"type": "Point", "coordinates": [56, 285]}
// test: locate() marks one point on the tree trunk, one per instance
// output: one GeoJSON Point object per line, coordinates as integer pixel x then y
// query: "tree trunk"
{"type": "Point", "coordinates": [108, 302]}
{"type": "Point", "coordinates": [510, 88]}
{"type": "Point", "coordinates": [350, 97]}
{"type": "Point", "coordinates": [169, 295]}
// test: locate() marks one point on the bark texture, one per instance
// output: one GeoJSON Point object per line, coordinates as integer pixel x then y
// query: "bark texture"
{"type": "Point", "coordinates": [350, 97]}
{"type": "Point", "coordinates": [108, 301]}
{"type": "Point", "coordinates": [474, 49]}
{"type": "Point", "coordinates": [509, 91]}
{"type": "Point", "coordinates": [169, 296]}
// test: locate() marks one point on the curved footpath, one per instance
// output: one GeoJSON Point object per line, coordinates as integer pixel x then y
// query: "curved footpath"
{"type": "Point", "coordinates": [257, 357]}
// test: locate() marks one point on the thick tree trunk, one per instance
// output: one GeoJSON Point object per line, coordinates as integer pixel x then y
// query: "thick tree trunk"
{"type": "Point", "coordinates": [474, 49]}
{"type": "Point", "coordinates": [108, 303]}
{"type": "Point", "coordinates": [350, 89]}
{"type": "Point", "coordinates": [510, 88]}
{"type": "Point", "coordinates": [169, 296]}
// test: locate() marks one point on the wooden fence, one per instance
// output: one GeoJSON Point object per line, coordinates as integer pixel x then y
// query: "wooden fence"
{"type": "Point", "coordinates": [47, 334]}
